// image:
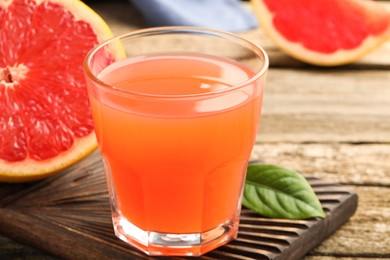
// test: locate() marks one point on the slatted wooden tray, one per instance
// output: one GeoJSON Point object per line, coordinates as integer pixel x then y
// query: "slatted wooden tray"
{"type": "Point", "coordinates": [68, 215]}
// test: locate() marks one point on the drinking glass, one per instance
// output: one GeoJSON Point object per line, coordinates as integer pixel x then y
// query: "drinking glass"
{"type": "Point", "coordinates": [176, 113]}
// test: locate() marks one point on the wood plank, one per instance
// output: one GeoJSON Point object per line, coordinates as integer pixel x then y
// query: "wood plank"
{"type": "Point", "coordinates": [366, 168]}
{"type": "Point", "coordinates": [324, 128]}
{"type": "Point", "coordinates": [69, 216]}
{"type": "Point", "coordinates": [371, 220]}
{"type": "Point", "coordinates": [364, 164]}
{"type": "Point", "coordinates": [338, 258]}
{"type": "Point", "coordinates": [326, 105]}
{"type": "Point", "coordinates": [10, 249]}
{"type": "Point", "coordinates": [367, 233]}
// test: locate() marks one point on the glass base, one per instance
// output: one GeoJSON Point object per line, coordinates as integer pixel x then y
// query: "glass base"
{"type": "Point", "coordinates": [193, 244]}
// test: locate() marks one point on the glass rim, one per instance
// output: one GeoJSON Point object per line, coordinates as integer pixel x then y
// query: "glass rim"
{"type": "Point", "coordinates": [177, 30]}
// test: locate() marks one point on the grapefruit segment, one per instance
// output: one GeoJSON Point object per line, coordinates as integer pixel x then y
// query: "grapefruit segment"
{"type": "Point", "coordinates": [324, 32]}
{"type": "Point", "coordinates": [45, 118]}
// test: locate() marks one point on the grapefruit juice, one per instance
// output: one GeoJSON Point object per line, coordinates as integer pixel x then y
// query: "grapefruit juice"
{"type": "Point", "coordinates": [175, 130]}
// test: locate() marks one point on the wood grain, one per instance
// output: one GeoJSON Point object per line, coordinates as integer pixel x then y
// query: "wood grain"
{"type": "Point", "coordinates": [350, 164]}
{"type": "Point", "coordinates": [363, 167]}
{"type": "Point", "coordinates": [69, 216]}
{"type": "Point", "coordinates": [366, 234]}
{"type": "Point", "coordinates": [326, 106]}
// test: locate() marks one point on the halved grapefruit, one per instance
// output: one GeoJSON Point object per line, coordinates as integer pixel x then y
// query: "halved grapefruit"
{"type": "Point", "coordinates": [45, 118]}
{"type": "Point", "coordinates": [324, 32]}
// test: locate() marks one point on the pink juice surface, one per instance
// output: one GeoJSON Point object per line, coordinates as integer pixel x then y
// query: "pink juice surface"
{"type": "Point", "coordinates": [177, 164]}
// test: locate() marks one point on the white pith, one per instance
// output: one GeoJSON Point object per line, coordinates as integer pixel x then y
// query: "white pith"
{"type": "Point", "coordinates": [17, 73]}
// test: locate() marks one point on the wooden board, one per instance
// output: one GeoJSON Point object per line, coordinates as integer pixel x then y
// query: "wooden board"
{"type": "Point", "coordinates": [69, 216]}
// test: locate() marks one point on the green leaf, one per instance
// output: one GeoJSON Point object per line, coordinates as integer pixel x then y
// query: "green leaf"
{"type": "Point", "coordinates": [277, 192]}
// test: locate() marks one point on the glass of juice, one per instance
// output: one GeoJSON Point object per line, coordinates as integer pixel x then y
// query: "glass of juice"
{"type": "Point", "coordinates": [176, 119]}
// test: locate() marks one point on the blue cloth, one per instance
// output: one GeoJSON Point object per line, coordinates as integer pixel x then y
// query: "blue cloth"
{"type": "Point", "coordinates": [228, 15]}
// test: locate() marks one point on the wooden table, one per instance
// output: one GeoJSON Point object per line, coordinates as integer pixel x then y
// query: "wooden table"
{"type": "Point", "coordinates": [332, 123]}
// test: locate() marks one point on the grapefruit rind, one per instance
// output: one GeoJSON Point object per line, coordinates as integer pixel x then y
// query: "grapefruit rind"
{"type": "Point", "coordinates": [83, 12]}
{"type": "Point", "coordinates": [103, 31]}
{"type": "Point", "coordinates": [297, 51]}
{"type": "Point", "coordinates": [29, 169]}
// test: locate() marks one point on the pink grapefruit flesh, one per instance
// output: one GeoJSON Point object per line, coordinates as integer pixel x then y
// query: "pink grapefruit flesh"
{"type": "Point", "coordinates": [45, 118]}
{"type": "Point", "coordinates": [324, 32]}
